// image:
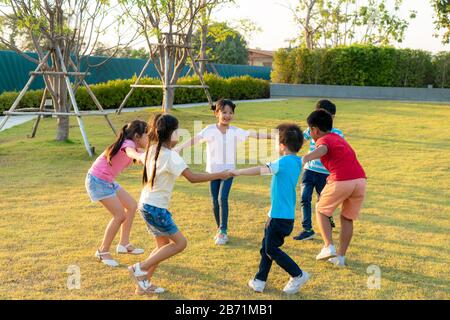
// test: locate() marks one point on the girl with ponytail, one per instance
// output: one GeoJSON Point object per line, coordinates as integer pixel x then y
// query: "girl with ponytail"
{"type": "Point", "coordinates": [162, 166]}
{"type": "Point", "coordinates": [101, 186]}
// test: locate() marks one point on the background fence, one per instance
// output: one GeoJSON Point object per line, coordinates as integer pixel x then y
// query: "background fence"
{"type": "Point", "coordinates": [355, 92]}
{"type": "Point", "coordinates": [14, 70]}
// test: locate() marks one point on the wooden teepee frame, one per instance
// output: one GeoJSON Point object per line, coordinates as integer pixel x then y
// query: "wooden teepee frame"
{"type": "Point", "coordinates": [166, 83]}
{"type": "Point", "coordinates": [42, 111]}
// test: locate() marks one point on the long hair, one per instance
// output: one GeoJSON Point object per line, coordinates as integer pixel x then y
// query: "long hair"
{"type": "Point", "coordinates": [128, 131]}
{"type": "Point", "coordinates": [161, 127]}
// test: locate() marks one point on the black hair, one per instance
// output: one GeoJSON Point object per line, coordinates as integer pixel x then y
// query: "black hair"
{"type": "Point", "coordinates": [291, 136]}
{"type": "Point", "coordinates": [320, 119]}
{"type": "Point", "coordinates": [222, 103]}
{"type": "Point", "coordinates": [128, 131]}
{"type": "Point", "coordinates": [161, 127]}
{"type": "Point", "coordinates": [326, 105]}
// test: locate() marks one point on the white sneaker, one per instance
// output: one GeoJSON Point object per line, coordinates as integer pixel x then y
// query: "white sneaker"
{"type": "Point", "coordinates": [257, 285]}
{"type": "Point", "coordinates": [221, 239]}
{"type": "Point", "coordinates": [294, 284]}
{"type": "Point", "coordinates": [327, 253]}
{"type": "Point", "coordinates": [126, 249]}
{"type": "Point", "coordinates": [108, 262]}
{"type": "Point", "coordinates": [338, 261]}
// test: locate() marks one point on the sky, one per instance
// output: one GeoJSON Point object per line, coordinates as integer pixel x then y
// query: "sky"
{"type": "Point", "coordinates": [277, 24]}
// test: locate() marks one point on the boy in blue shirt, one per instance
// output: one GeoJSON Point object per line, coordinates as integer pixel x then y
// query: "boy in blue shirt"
{"type": "Point", "coordinates": [285, 173]}
{"type": "Point", "coordinates": [314, 177]}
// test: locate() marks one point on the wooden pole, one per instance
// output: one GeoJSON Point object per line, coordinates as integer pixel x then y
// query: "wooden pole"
{"type": "Point", "coordinates": [166, 75]}
{"type": "Point", "coordinates": [74, 103]}
{"type": "Point", "coordinates": [133, 88]}
{"type": "Point", "coordinates": [200, 76]}
{"type": "Point", "coordinates": [38, 119]}
{"type": "Point", "coordinates": [94, 98]}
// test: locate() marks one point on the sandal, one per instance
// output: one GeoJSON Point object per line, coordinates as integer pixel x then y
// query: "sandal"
{"type": "Point", "coordinates": [127, 250]}
{"type": "Point", "coordinates": [108, 262]}
{"type": "Point", "coordinates": [152, 289]}
{"type": "Point", "coordinates": [143, 286]}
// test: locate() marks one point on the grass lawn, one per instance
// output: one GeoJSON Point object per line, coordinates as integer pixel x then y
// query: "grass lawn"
{"type": "Point", "coordinates": [47, 221]}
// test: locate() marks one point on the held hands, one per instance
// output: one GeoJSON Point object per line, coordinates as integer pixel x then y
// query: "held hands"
{"type": "Point", "coordinates": [225, 175]}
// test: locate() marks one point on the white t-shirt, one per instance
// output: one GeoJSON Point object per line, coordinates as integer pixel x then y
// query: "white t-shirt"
{"type": "Point", "coordinates": [169, 167]}
{"type": "Point", "coordinates": [221, 148]}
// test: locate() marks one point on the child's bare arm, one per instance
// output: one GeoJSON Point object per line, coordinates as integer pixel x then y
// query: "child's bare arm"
{"type": "Point", "coordinates": [193, 177]}
{"type": "Point", "coordinates": [188, 143]}
{"type": "Point", "coordinates": [133, 154]}
{"type": "Point", "coordinates": [261, 135]}
{"type": "Point", "coordinates": [255, 171]}
{"type": "Point", "coordinates": [316, 154]}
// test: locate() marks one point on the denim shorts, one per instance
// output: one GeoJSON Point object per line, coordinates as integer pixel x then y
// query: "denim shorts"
{"type": "Point", "coordinates": [159, 221]}
{"type": "Point", "coordinates": [99, 189]}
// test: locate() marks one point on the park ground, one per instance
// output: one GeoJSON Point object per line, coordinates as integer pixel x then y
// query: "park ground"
{"type": "Point", "coordinates": [47, 222]}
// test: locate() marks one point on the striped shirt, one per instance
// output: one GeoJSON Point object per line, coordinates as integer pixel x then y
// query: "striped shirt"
{"type": "Point", "coordinates": [316, 165]}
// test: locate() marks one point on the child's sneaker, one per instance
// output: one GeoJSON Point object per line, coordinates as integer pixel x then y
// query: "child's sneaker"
{"type": "Point", "coordinates": [338, 261]}
{"type": "Point", "coordinates": [257, 285]}
{"type": "Point", "coordinates": [326, 253]}
{"type": "Point", "coordinates": [333, 225]}
{"type": "Point", "coordinates": [221, 239]}
{"type": "Point", "coordinates": [294, 284]}
{"type": "Point", "coordinates": [305, 235]}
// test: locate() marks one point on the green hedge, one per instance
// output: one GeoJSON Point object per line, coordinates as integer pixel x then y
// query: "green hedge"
{"type": "Point", "coordinates": [361, 66]}
{"type": "Point", "coordinates": [112, 93]}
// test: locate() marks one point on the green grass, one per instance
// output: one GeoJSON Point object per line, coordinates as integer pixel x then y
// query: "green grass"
{"type": "Point", "coordinates": [48, 223]}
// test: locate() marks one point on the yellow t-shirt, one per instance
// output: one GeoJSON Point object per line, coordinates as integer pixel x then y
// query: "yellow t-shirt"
{"type": "Point", "coordinates": [169, 167]}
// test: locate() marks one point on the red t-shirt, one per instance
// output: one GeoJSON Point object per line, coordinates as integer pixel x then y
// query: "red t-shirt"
{"type": "Point", "coordinates": [340, 159]}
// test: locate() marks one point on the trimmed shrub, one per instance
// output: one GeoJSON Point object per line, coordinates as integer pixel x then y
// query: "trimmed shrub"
{"type": "Point", "coordinates": [441, 63]}
{"type": "Point", "coordinates": [112, 93]}
{"type": "Point", "coordinates": [355, 65]}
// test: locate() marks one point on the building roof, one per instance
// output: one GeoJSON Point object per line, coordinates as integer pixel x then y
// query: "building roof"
{"type": "Point", "coordinates": [261, 52]}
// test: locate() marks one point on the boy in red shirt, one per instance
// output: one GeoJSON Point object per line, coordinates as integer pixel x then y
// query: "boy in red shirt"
{"type": "Point", "coordinates": [346, 184]}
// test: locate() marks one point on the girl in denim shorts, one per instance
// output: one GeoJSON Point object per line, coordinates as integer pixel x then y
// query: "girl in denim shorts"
{"type": "Point", "coordinates": [162, 166]}
{"type": "Point", "coordinates": [101, 186]}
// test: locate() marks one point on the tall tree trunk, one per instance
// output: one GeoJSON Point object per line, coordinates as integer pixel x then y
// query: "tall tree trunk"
{"type": "Point", "coordinates": [204, 33]}
{"type": "Point", "coordinates": [62, 131]}
{"type": "Point", "coordinates": [168, 96]}
{"type": "Point", "coordinates": [60, 101]}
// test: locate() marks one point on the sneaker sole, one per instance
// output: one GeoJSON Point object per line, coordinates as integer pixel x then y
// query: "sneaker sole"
{"type": "Point", "coordinates": [326, 258]}
{"type": "Point", "coordinates": [307, 238]}
{"type": "Point", "coordinates": [248, 284]}
{"type": "Point", "coordinates": [295, 291]}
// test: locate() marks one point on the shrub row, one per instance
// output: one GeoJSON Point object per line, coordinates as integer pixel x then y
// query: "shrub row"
{"type": "Point", "coordinates": [112, 93]}
{"type": "Point", "coordinates": [362, 66]}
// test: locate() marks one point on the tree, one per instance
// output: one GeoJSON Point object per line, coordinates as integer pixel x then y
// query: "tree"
{"type": "Point", "coordinates": [223, 44]}
{"type": "Point", "coordinates": [331, 23]}
{"type": "Point", "coordinates": [442, 18]}
{"type": "Point", "coordinates": [73, 26]}
{"type": "Point", "coordinates": [170, 22]}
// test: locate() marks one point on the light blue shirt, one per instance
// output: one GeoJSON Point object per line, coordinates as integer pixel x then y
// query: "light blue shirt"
{"type": "Point", "coordinates": [286, 171]}
{"type": "Point", "coordinates": [316, 165]}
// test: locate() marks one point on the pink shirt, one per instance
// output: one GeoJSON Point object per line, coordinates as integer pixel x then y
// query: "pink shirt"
{"type": "Point", "coordinates": [102, 170]}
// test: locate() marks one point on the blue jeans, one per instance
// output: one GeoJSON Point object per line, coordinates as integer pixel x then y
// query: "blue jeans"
{"type": "Point", "coordinates": [220, 189]}
{"type": "Point", "coordinates": [310, 180]}
{"type": "Point", "coordinates": [275, 232]}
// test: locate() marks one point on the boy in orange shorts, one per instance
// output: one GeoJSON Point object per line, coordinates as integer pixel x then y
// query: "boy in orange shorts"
{"type": "Point", "coordinates": [346, 184]}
